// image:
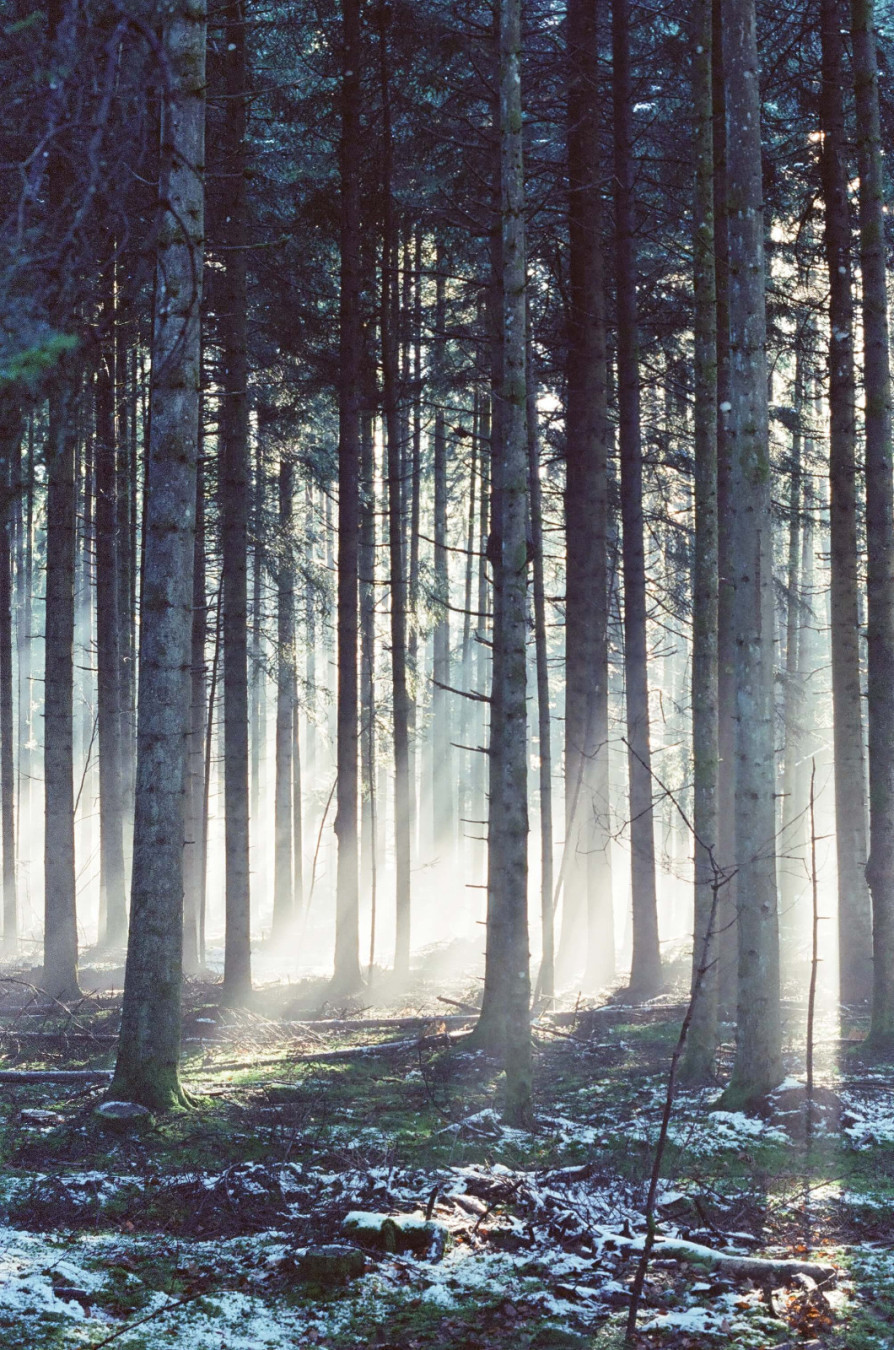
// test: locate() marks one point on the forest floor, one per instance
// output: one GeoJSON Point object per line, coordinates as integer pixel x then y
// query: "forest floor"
{"type": "Point", "coordinates": [189, 1231]}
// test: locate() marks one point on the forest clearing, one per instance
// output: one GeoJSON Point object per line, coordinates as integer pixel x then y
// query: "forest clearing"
{"type": "Point", "coordinates": [446, 674]}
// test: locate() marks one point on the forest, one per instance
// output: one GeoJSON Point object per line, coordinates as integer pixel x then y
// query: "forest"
{"type": "Point", "coordinates": [446, 674]}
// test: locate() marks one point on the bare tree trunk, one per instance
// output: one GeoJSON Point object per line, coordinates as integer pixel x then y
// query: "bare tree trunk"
{"type": "Point", "coordinates": [698, 1064]}
{"type": "Point", "coordinates": [108, 657]}
{"type": "Point", "coordinates": [727, 920]}
{"type": "Point", "coordinates": [234, 506]}
{"type": "Point", "coordinates": [10, 460]}
{"type": "Point", "coordinates": [879, 521]}
{"type": "Point", "coordinates": [758, 1065]}
{"type": "Point", "coordinates": [442, 754]}
{"type": "Point", "coordinates": [194, 855]}
{"type": "Point", "coordinates": [389, 313]}
{"type": "Point", "coordinates": [507, 934]}
{"type": "Point", "coordinates": [147, 1069]}
{"type": "Point", "coordinates": [367, 568]}
{"type": "Point", "coordinates": [546, 979]}
{"type": "Point", "coordinates": [283, 869]}
{"type": "Point", "coordinates": [347, 978]}
{"type": "Point", "coordinates": [60, 922]}
{"type": "Point", "coordinates": [645, 974]}
{"type": "Point", "coordinates": [854, 907]}
{"type": "Point", "coordinates": [587, 884]}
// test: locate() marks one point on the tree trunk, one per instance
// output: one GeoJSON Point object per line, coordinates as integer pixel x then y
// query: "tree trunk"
{"type": "Point", "coordinates": [194, 856]}
{"type": "Point", "coordinates": [879, 522]}
{"type": "Point", "coordinates": [347, 978]}
{"type": "Point", "coordinates": [758, 1065]}
{"type": "Point", "coordinates": [547, 977]}
{"type": "Point", "coordinates": [587, 882]}
{"type": "Point", "coordinates": [108, 656]}
{"type": "Point", "coordinates": [60, 922]}
{"type": "Point", "coordinates": [442, 754]}
{"type": "Point", "coordinates": [507, 936]}
{"type": "Point", "coordinates": [149, 1044]}
{"type": "Point", "coordinates": [367, 569]}
{"type": "Point", "coordinates": [10, 460]}
{"type": "Point", "coordinates": [854, 907]}
{"type": "Point", "coordinates": [283, 869]}
{"type": "Point", "coordinates": [727, 921]}
{"type": "Point", "coordinates": [645, 974]}
{"type": "Point", "coordinates": [233, 321]}
{"type": "Point", "coordinates": [698, 1065]}
{"type": "Point", "coordinates": [389, 315]}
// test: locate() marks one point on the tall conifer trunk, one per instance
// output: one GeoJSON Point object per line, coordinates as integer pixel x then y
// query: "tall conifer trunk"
{"type": "Point", "coordinates": [879, 521]}
{"type": "Point", "coordinates": [758, 1064]}
{"type": "Point", "coordinates": [283, 869]}
{"type": "Point", "coordinates": [234, 506]}
{"type": "Point", "coordinates": [403, 825]}
{"type": "Point", "coordinates": [147, 1069]}
{"type": "Point", "coordinates": [587, 868]}
{"type": "Point", "coordinates": [854, 908]}
{"type": "Point", "coordinates": [108, 658]}
{"type": "Point", "coordinates": [645, 974]}
{"type": "Point", "coordinates": [702, 1041]}
{"type": "Point", "coordinates": [346, 978]}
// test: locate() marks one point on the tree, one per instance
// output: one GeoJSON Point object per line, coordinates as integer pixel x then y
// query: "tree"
{"type": "Point", "coordinates": [645, 974]}
{"type": "Point", "coordinates": [233, 322]}
{"type": "Point", "coordinates": [758, 1064]}
{"type": "Point", "coordinates": [854, 908]}
{"type": "Point", "coordinates": [147, 1068]}
{"type": "Point", "coordinates": [587, 437]}
{"type": "Point", "coordinates": [702, 1042]}
{"type": "Point", "coordinates": [879, 522]}
{"type": "Point", "coordinates": [346, 978]}
{"type": "Point", "coordinates": [507, 929]}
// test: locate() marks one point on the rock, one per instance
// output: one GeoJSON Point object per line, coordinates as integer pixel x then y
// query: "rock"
{"type": "Point", "coordinates": [122, 1114]}
{"type": "Point", "coordinates": [399, 1233]}
{"type": "Point", "coordinates": [331, 1265]}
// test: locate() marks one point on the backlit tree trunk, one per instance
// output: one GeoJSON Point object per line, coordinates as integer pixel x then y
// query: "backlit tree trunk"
{"type": "Point", "coordinates": [879, 521]}
{"type": "Point", "coordinates": [758, 1064]}
{"type": "Point", "coordinates": [234, 504]}
{"type": "Point", "coordinates": [854, 908]}
{"type": "Point", "coordinates": [346, 977]}
{"type": "Point", "coordinates": [645, 974]}
{"type": "Point", "coordinates": [149, 1044]}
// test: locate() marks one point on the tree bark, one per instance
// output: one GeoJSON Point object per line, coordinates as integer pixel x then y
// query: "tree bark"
{"type": "Point", "coordinates": [507, 933]}
{"type": "Point", "coordinates": [727, 923]}
{"type": "Point", "coordinates": [587, 883]}
{"type": "Point", "coordinates": [645, 974]}
{"type": "Point", "coordinates": [10, 475]}
{"type": "Point", "coordinates": [108, 656]}
{"type": "Point", "coordinates": [698, 1063]}
{"type": "Point", "coordinates": [149, 1044]}
{"type": "Point", "coordinates": [283, 869]}
{"type": "Point", "coordinates": [389, 315]}
{"type": "Point", "coordinates": [60, 921]}
{"type": "Point", "coordinates": [758, 1064]}
{"type": "Point", "coordinates": [546, 982]}
{"type": "Point", "coordinates": [854, 906]}
{"type": "Point", "coordinates": [442, 754]}
{"type": "Point", "coordinates": [194, 856]}
{"type": "Point", "coordinates": [879, 522]}
{"type": "Point", "coordinates": [234, 437]}
{"type": "Point", "coordinates": [347, 978]}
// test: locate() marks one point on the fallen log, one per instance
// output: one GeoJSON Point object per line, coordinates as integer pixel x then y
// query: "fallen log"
{"type": "Point", "coordinates": [761, 1269]}
{"type": "Point", "coordinates": [55, 1075]}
